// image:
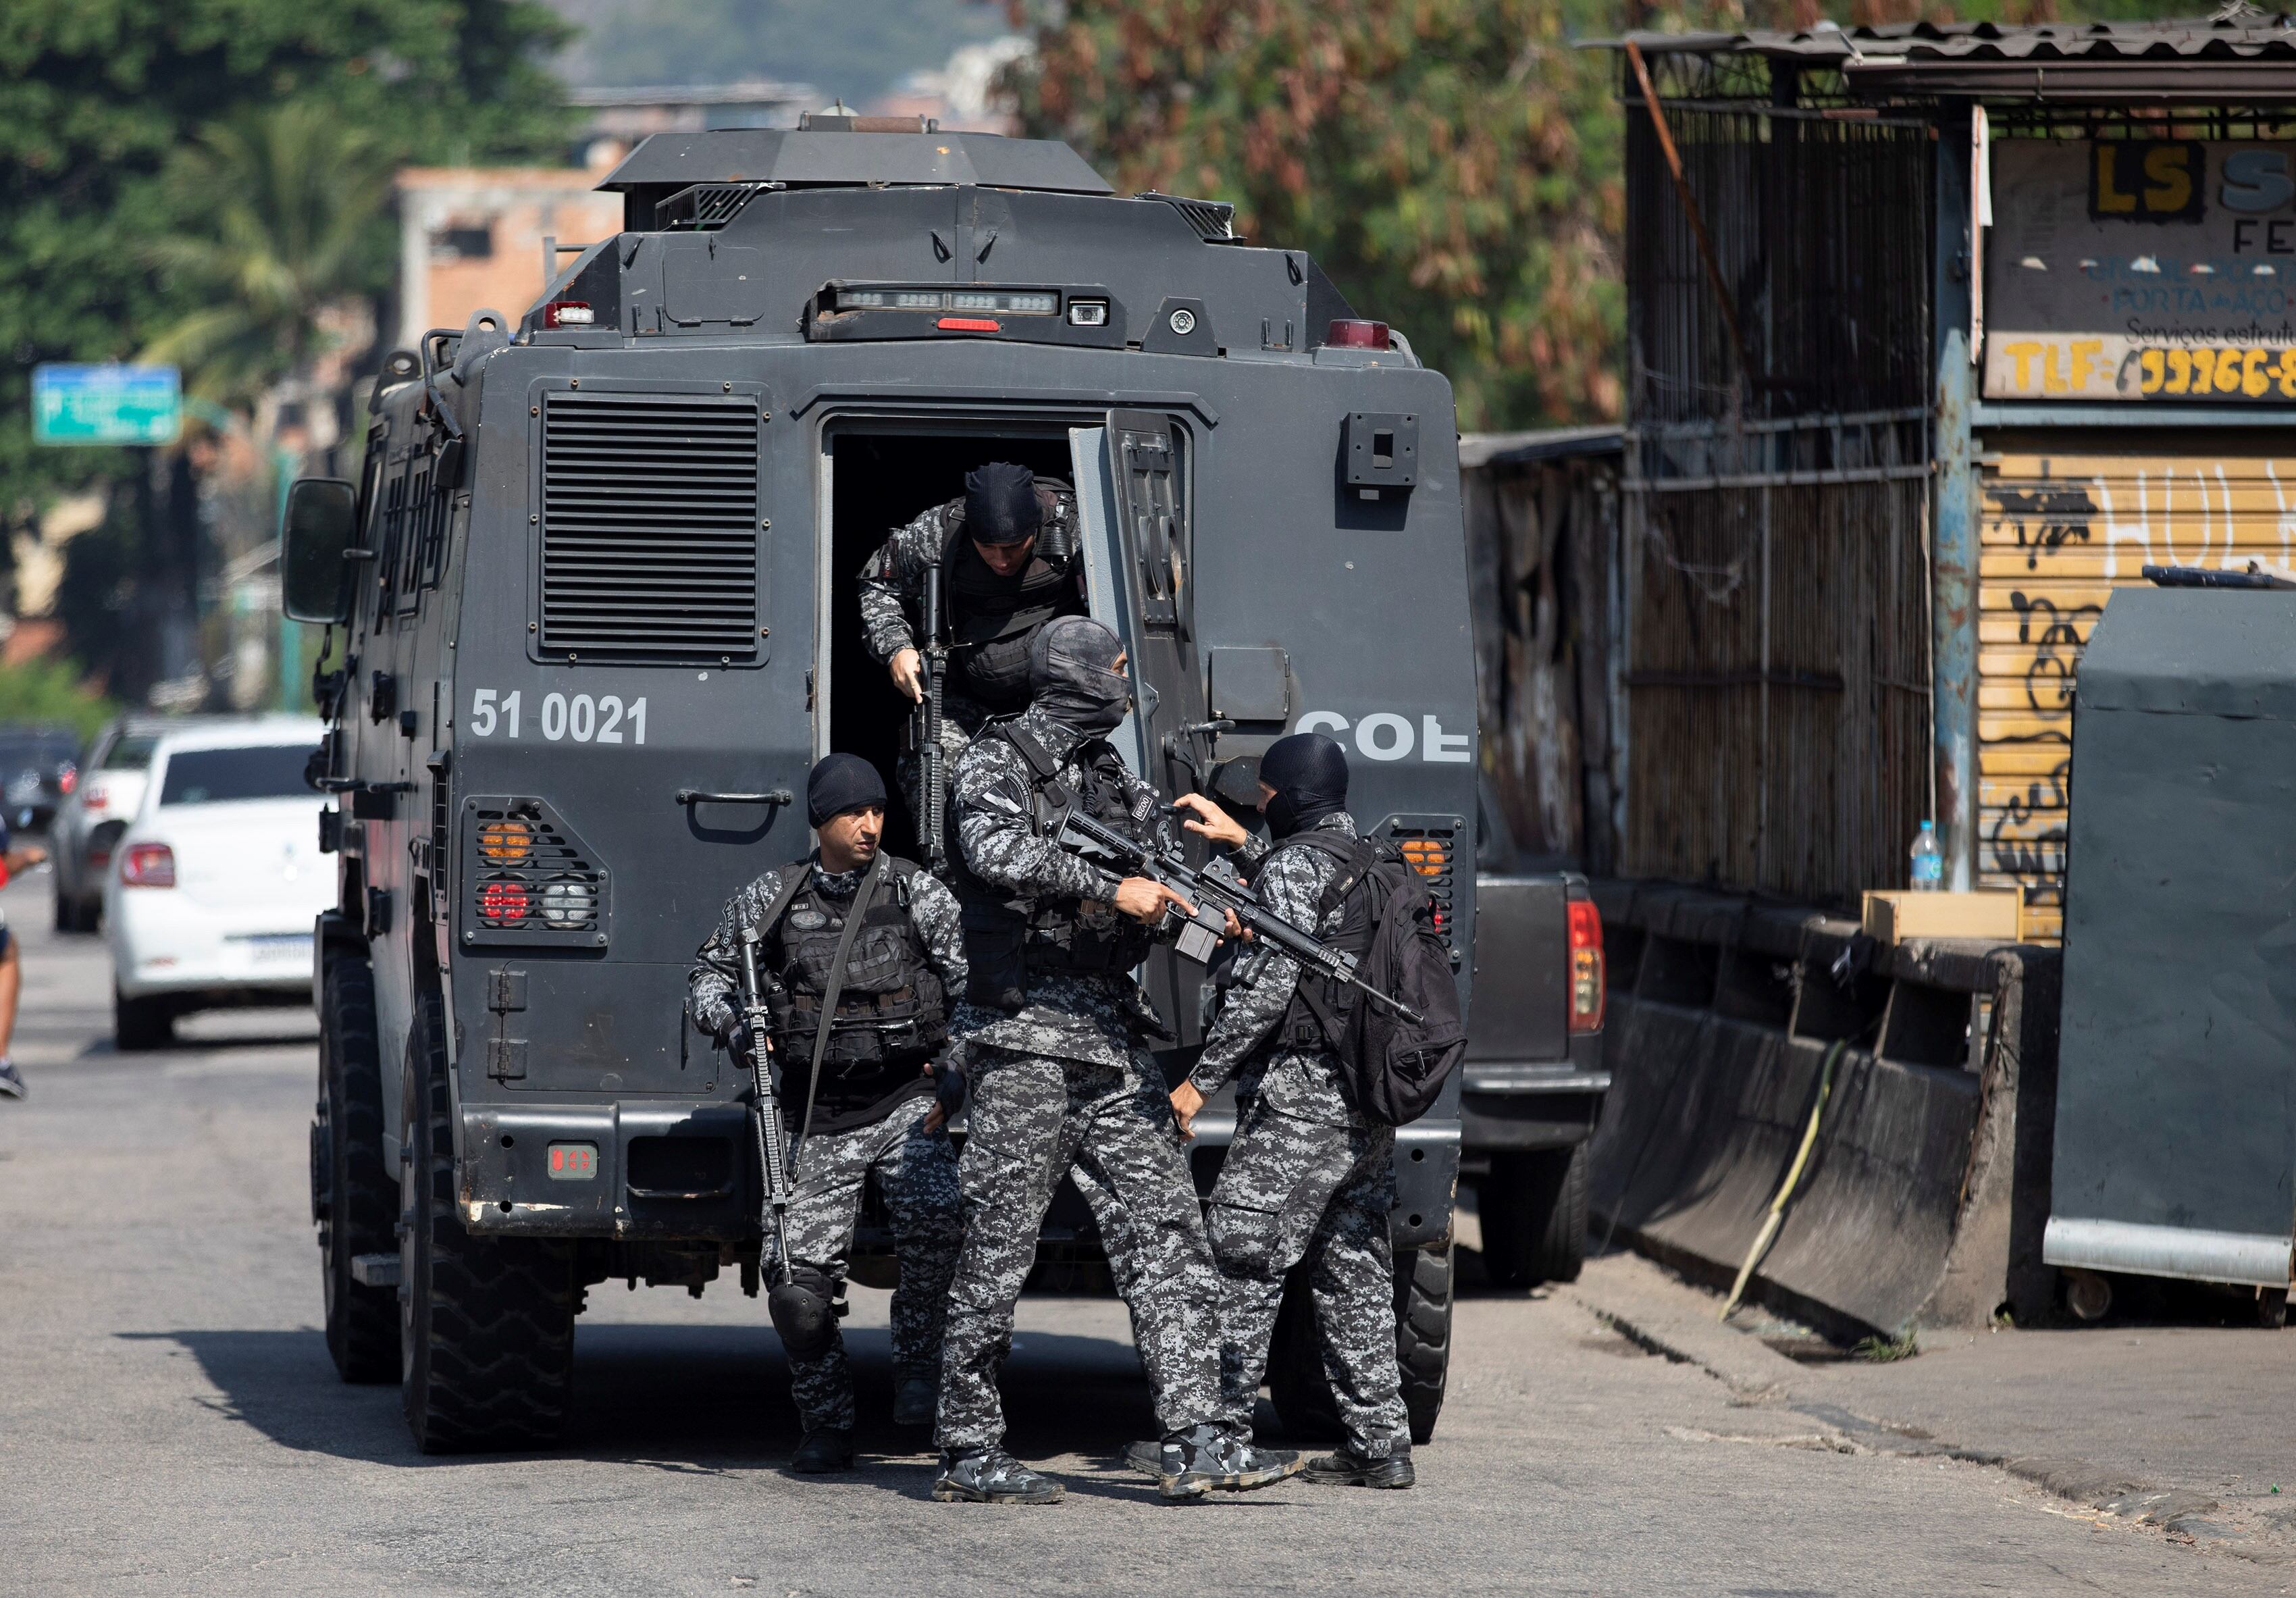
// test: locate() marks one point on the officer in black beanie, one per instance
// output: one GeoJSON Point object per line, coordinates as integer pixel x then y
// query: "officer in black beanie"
{"type": "Point", "coordinates": [873, 1105]}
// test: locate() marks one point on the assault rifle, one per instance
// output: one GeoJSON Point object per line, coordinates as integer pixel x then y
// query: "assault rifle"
{"type": "Point", "coordinates": [1217, 891]}
{"type": "Point", "coordinates": [772, 1151]}
{"type": "Point", "coordinates": [924, 731]}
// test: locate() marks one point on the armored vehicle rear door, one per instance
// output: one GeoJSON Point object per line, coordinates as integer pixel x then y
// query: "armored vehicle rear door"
{"type": "Point", "coordinates": [1133, 499]}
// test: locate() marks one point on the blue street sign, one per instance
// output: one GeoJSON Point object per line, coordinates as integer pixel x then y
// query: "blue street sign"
{"type": "Point", "coordinates": [106, 404]}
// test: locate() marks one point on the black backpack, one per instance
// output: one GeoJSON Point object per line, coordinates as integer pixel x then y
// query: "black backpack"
{"type": "Point", "coordinates": [1392, 1069]}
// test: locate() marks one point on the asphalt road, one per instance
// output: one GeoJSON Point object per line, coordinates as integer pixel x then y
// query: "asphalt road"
{"type": "Point", "coordinates": [169, 1421]}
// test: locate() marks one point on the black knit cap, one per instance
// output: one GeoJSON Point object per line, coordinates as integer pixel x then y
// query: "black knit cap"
{"type": "Point", "coordinates": [841, 782]}
{"type": "Point", "coordinates": [1000, 504]}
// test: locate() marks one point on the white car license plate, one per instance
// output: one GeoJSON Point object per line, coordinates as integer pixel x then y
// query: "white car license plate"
{"type": "Point", "coordinates": [282, 949]}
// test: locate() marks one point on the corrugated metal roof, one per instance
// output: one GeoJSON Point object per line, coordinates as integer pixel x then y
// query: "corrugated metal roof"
{"type": "Point", "coordinates": [1545, 444]}
{"type": "Point", "coordinates": [2241, 51]}
{"type": "Point", "coordinates": [2252, 35]}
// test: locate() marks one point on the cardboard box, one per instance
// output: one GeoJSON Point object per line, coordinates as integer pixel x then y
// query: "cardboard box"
{"type": "Point", "coordinates": [1994, 913]}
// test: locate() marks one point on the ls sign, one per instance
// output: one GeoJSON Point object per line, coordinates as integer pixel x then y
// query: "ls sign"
{"type": "Point", "coordinates": [1384, 735]}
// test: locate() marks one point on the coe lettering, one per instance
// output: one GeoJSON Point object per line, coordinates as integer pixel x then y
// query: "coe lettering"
{"type": "Point", "coordinates": [1385, 736]}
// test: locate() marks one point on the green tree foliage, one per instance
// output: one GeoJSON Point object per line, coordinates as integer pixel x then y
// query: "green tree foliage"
{"type": "Point", "coordinates": [97, 97]}
{"type": "Point", "coordinates": [1448, 162]}
{"type": "Point", "coordinates": [50, 693]}
{"type": "Point", "coordinates": [281, 208]}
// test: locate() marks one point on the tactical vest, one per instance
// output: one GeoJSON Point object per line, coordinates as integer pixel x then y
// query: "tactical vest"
{"type": "Point", "coordinates": [1003, 943]}
{"type": "Point", "coordinates": [992, 617]}
{"type": "Point", "coordinates": [892, 1011]}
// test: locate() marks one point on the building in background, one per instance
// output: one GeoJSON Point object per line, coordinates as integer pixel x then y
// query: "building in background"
{"type": "Point", "coordinates": [472, 238]}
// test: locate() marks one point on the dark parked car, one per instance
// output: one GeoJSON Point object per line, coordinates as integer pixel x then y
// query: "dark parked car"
{"type": "Point", "coordinates": [38, 766]}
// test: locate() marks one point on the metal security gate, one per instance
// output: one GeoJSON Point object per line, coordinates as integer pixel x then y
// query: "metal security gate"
{"type": "Point", "coordinates": [1776, 656]}
{"type": "Point", "coordinates": [2060, 531]}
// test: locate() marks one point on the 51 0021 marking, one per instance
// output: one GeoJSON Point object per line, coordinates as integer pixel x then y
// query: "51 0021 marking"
{"type": "Point", "coordinates": [602, 719]}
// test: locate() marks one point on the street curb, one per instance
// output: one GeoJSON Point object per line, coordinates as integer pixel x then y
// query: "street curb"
{"type": "Point", "coordinates": [1675, 1320]}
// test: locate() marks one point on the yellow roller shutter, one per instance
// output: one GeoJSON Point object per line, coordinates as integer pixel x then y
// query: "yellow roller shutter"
{"type": "Point", "coordinates": [2061, 532]}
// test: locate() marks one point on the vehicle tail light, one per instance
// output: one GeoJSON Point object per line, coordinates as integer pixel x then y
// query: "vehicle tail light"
{"type": "Point", "coordinates": [148, 865]}
{"type": "Point", "coordinates": [968, 325]}
{"type": "Point", "coordinates": [568, 313]}
{"type": "Point", "coordinates": [1589, 986]}
{"type": "Point", "coordinates": [1351, 334]}
{"type": "Point", "coordinates": [503, 902]}
{"type": "Point", "coordinates": [67, 780]}
{"type": "Point", "coordinates": [98, 798]}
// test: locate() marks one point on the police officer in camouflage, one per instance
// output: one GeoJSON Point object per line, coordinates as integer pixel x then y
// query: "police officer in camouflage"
{"type": "Point", "coordinates": [1010, 561]}
{"type": "Point", "coordinates": [875, 1108]}
{"type": "Point", "coordinates": [1309, 1179]}
{"type": "Point", "coordinates": [1055, 1027]}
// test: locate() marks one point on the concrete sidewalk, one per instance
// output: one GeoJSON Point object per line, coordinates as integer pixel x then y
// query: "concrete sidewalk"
{"type": "Point", "coordinates": [2181, 1427]}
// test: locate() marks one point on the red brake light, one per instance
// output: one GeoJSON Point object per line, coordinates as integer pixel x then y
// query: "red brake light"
{"type": "Point", "coordinates": [502, 900]}
{"type": "Point", "coordinates": [568, 313]}
{"type": "Point", "coordinates": [148, 865]}
{"type": "Point", "coordinates": [1588, 984]}
{"type": "Point", "coordinates": [67, 780]}
{"type": "Point", "coordinates": [968, 325]}
{"type": "Point", "coordinates": [1351, 334]}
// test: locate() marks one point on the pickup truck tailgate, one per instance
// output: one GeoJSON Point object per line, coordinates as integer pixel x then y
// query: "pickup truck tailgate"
{"type": "Point", "coordinates": [1522, 1002]}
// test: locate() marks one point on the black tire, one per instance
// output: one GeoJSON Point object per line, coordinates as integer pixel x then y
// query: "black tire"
{"type": "Point", "coordinates": [139, 1024]}
{"type": "Point", "coordinates": [486, 1324]}
{"type": "Point", "coordinates": [1423, 1333]}
{"type": "Point", "coordinates": [1423, 1349]}
{"type": "Point", "coordinates": [1533, 1209]}
{"type": "Point", "coordinates": [67, 911]}
{"type": "Point", "coordinates": [354, 1193]}
{"type": "Point", "coordinates": [89, 915]}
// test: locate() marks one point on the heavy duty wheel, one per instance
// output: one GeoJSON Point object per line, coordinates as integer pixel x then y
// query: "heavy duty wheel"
{"type": "Point", "coordinates": [486, 1324]}
{"type": "Point", "coordinates": [1533, 1209]}
{"type": "Point", "coordinates": [138, 1024]}
{"type": "Point", "coordinates": [1423, 1349]}
{"type": "Point", "coordinates": [354, 1197]}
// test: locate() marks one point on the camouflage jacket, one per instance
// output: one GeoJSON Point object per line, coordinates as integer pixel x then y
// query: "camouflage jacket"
{"type": "Point", "coordinates": [892, 584]}
{"type": "Point", "coordinates": [1303, 1083]}
{"type": "Point", "coordinates": [713, 989]}
{"type": "Point", "coordinates": [1070, 1015]}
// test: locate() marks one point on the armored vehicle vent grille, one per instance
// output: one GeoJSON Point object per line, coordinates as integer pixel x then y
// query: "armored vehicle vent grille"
{"type": "Point", "coordinates": [1214, 220]}
{"type": "Point", "coordinates": [649, 527]}
{"type": "Point", "coordinates": [708, 205]}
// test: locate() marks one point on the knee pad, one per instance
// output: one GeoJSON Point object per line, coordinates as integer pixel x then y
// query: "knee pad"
{"type": "Point", "coordinates": [804, 1313]}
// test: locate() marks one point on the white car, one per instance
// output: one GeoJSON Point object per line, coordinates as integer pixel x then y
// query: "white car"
{"type": "Point", "coordinates": [212, 890]}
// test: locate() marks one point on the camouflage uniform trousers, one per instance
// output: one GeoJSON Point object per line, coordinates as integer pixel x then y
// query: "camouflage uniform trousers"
{"type": "Point", "coordinates": [1295, 1191]}
{"type": "Point", "coordinates": [916, 1171]}
{"type": "Point", "coordinates": [1032, 1117]}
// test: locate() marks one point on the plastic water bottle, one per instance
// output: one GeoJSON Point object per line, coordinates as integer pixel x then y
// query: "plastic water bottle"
{"type": "Point", "coordinates": [1928, 874]}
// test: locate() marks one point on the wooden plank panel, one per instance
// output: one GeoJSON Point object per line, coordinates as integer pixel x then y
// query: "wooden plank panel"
{"type": "Point", "coordinates": [2038, 792]}
{"type": "Point", "coordinates": [2013, 823]}
{"type": "Point", "coordinates": [2027, 726]}
{"type": "Point", "coordinates": [2029, 627]}
{"type": "Point", "coordinates": [2022, 761]}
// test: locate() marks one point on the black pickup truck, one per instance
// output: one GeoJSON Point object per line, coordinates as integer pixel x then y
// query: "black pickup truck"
{"type": "Point", "coordinates": [1534, 1074]}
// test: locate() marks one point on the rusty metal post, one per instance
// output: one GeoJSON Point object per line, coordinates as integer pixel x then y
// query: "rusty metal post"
{"type": "Point", "coordinates": [1954, 518]}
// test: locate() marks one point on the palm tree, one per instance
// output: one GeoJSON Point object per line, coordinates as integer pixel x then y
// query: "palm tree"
{"type": "Point", "coordinates": [283, 206]}
{"type": "Point", "coordinates": [286, 200]}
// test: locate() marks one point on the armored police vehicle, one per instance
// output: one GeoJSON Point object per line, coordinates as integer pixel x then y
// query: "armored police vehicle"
{"type": "Point", "coordinates": [593, 602]}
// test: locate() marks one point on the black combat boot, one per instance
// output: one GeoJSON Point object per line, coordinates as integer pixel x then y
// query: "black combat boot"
{"type": "Point", "coordinates": [915, 1399]}
{"type": "Point", "coordinates": [1190, 1464]}
{"type": "Point", "coordinates": [824, 1449]}
{"type": "Point", "coordinates": [992, 1476]}
{"type": "Point", "coordinates": [1347, 1468]}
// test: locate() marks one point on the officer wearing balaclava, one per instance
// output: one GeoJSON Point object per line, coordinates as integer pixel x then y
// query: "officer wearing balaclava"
{"type": "Point", "coordinates": [1010, 561]}
{"type": "Point", "coordinates": [1055, 1030]}
{"type": "Point", "coordinates": [1309, 1178]}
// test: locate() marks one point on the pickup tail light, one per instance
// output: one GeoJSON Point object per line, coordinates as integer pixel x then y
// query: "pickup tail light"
{"type": "Point", "coordinates": [67, 780]}
{"type": "Point", "coordinates": [1588, 986]}
{"type": "Point", "coordinates": [148, 865]}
